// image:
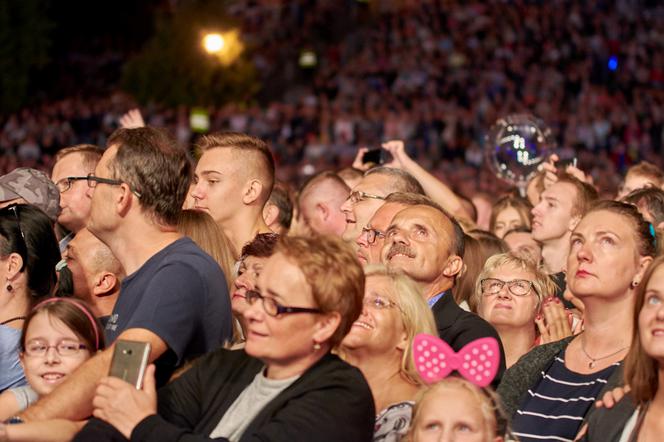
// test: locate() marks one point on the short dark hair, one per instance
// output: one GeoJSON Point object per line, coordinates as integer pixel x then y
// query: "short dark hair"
{"type": "Point", "coordinates": [247, 144]}
{"type": "Point", "coordinates": [401, 181]}
{"type": "Point", "coordinates": [414, 199]}
{"type": "Point", "coordinates": [150, 161]}
{"type": "Point", "coordinates": [653, 200]}
{"type": "Point", "coordinates": [262, 246]}
{"type": "Point", "coordinates": [43, 252]}
{"type": "Point", "coordinates": [281, 198]}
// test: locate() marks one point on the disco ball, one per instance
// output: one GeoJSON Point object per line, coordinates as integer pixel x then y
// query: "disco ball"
{"type": "Point", "coordinates": [516, 145]}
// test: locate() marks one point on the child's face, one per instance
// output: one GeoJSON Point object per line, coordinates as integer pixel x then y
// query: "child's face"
{"type": "Point", "coordinates": [451, 414]}
{"type": "Point", "coordinates": [46, 371]}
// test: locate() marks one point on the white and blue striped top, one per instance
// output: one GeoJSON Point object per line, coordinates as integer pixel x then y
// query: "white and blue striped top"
{"type": "Point", "coordinates": [555, 407]}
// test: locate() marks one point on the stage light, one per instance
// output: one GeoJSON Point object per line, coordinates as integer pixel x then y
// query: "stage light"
{"type": "Point", "coordinates": [225, 46]}
{"type": "Point", "coordinates": [213, 43]}
{"type": "Point", "coordinates": [613, 63]}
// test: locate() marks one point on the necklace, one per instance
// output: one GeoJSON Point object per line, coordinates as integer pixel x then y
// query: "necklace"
{"type": "Point", "coordinates": [15, 318]}
{"type": "Point", "coordinates": [591, 364]}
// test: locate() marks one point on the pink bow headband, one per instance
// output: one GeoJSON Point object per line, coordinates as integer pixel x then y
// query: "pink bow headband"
{"type": "Point", "coordinates": [478, 361]}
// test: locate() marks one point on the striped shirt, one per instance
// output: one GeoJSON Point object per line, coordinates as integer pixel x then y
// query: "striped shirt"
{"type": "Point", "coordinates": [554, 408]}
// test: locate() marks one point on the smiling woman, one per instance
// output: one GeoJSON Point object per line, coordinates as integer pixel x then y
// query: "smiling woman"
{"type": "Point", "coordinates": [284, 386]}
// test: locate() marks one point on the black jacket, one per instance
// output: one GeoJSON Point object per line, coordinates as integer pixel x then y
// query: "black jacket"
{"type": "Point", "coordinates": [330, 402]}
{"type": "Point", "coordinates": [458, 327]}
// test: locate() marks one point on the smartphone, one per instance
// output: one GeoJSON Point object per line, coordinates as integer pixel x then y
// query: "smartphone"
{"type": "Point", "coordinates": [130, 359]}
{"type": "Point", "coordinates": [374, 156]}
{"type": "Point", "coordinates": [562, 164]}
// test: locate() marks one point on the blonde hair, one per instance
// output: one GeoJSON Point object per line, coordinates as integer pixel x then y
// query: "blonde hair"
{"type": "Point", "coordinates": [415, 314]}
{"type": "Point", "coordinates": [544, 286]}
{"type": "Point", "coordinates": [201, 228]}
{"type": "Point", "coordinates": [489, 405]}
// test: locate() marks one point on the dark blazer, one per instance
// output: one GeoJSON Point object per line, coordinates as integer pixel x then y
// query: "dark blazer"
{"type": "Point", "coordinates": [330, 402]}
{"type": "Point", "coordinates": [528, 371]}
{"type": "Point", "coordinates": [458, 327]}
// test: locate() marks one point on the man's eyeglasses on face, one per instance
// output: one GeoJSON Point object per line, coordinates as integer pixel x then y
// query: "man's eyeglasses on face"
{"type": "Point", "coordinates": [357, 195]}
{"type": "Point", "coordinates": [273, 308]}
{"type": "Point", "coordinates": [65, 347]}
{"type": "Point", "coordinates": [517, 287]}
{"type": "Point", "coordinates": [94, 180]}
{"type": "Point", "coordinates": [65, 184]}
{"type": "Point", "coordinates": [372, 234]}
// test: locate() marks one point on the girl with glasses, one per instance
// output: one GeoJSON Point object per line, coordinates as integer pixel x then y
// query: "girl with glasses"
{"type": "Point", "coordinates": [379, 344]}
{"type": "Point", "coordinates": [59, 335]}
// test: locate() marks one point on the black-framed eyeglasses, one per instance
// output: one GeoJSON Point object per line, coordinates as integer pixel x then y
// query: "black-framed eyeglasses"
{"type": "Point", "coordinates": [66, 347]}
{"type": "Point", "coordinates": [94, 180]}
{"type": "Point", "coordinates": [357, 195]}
{"type": "Point", "coordinates": [21, 245]}
{"type": "Point", "coordinates": [273, 308]}
{"type": "Point", "coordinates": [65, 184]}
{"type": "Point", "coordinates": [517, 287]}
{"type": "Point", "coordinates": [372, 234]}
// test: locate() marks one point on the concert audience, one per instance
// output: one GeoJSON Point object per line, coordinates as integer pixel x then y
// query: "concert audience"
{"type": "Point", "coordinates": [611, 248]}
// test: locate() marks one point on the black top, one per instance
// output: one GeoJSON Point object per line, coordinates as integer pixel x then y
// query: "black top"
{"type": "Point", "coordinates": [330, 402]}
{"type": "Point", "coordinates": [458, 327]}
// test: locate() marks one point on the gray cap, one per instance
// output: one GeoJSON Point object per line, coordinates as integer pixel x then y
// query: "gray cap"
{"type": "Point", "coordinates": [34, 187]}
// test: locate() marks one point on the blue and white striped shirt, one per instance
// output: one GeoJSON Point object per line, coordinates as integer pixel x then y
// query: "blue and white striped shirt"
{"type": "Point", "coordinates": [555, 406]}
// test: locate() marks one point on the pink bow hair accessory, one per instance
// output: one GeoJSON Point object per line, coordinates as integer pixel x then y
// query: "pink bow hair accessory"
{"type": "Point", "coordinates": [478, 361]}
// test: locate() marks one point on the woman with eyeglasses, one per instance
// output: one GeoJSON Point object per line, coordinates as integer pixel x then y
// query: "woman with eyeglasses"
{"type": "Point", "coordinates": [28, 255]}
{"type": "Point", "coordinates": [285, 385]}
{"type": "Point", "coordinates": [508, 294]}
{"type": "Point", "coordinates": [379, 344]}
{"type": "Point", "coordinates": [550, 391]}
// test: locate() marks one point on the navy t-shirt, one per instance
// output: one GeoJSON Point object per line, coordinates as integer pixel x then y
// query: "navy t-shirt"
{"type": "Point", "coordinates": [179, 294]}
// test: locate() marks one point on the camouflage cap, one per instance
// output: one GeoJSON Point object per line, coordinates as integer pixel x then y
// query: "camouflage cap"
{"type": "Point", "coordinates": [34, 187]}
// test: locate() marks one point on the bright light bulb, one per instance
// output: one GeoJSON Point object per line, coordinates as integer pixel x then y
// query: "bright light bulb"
{"type": "Point", "coordinates": [213, 43]}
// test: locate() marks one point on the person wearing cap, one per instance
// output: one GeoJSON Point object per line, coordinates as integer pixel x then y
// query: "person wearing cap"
{"type": "Point", "coordinates": [30, 186]}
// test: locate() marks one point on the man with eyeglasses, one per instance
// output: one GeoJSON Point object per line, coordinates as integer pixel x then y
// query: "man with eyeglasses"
{"type": "Point", "coordinates": [427, 244]}
{"type": "Point", "coordinates": [72, 166]}
{"type": "Point", "coordinates": [175, 296]}
{"type": "Point", "coordinates": [370, 194]}
{"type": "Point", "coordinates": [370, 241]}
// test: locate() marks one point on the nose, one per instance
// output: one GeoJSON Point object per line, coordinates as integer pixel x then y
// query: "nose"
{"type": "Point", "coordinates": [243, 282]}
{"type": "Point", "coordinates": [89, 191]}
{"type": "Point", "coordinates": [362, 239]}
{"type": "Point", "coordinates": [584, 253]}
{"type": "Point", "coordinates": [536, 210]}
{"type": "Point", "coordinates": [52, 356]}
{"type": "Point", "coordinates": [347, 206]}
{"type": "Point", "coordinates": [196, 191]}
{"type": "Point", "coordinates": [504, 292]}
{"type": "Point", "coordinates": [254, 312]}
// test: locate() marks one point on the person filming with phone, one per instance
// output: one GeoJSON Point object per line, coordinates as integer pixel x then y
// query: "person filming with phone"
{"type": "Point", "coordinates": [285, 385]}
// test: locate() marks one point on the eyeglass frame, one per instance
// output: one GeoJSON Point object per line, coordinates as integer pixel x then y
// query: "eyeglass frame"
{"type": "Point", "coordinates": [13, 208]}
{"type": "Point", "coordinates": [372, 234]}
{"type": "Point", "coordinates": [92, 178]}
{"type": "Point", "coordinates": [508, 284]}
{"type": "Point", "coordinates": [79, 346]}
{"type": "Point", "coordinates": [69, 181]}
{"type": "Point", "coordinates": [354, 198]}
{"type": "Point", "coordinates": [251, 296]}
{"type": "Point", "coordinates": [388, 303]}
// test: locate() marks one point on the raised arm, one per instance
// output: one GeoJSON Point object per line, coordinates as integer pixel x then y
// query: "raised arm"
{"type": "Point", "coordinates": [434, 188]}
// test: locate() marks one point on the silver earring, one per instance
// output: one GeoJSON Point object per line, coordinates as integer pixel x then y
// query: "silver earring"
{"type": "Point", "coordinates": [316, 346]}
{"type": "Point", "coordinates": [634, 284]}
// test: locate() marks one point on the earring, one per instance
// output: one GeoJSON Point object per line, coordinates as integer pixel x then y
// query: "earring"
{"type": "Point", "coordinates": [316, 346]}
{"type": "Point", "coordinates": [9, 287]}
{"type": "Point", "coordinates": [634, 284]}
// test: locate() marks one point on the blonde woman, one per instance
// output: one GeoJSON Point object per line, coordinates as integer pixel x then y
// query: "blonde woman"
{"type": "Point", "coordinates": [379, 344]}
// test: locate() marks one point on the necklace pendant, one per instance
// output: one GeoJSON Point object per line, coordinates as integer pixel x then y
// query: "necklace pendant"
{"type": "Point", "coordinates": [591, 364]}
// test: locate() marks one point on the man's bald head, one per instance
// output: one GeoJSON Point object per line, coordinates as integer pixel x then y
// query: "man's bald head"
{"type": "Point", "coordinates": [320, 203]}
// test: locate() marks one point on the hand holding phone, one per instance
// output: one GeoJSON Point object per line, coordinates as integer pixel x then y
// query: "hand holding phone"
{"type": "Point", "coordinates": [130, 359]}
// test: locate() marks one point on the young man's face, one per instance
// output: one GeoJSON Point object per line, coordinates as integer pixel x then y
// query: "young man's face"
{"type": "Point", "coordinates": [552, 216]}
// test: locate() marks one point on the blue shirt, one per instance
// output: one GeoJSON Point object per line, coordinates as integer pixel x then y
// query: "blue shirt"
{"type": "Point", "coordinates": [434, 300]}
{"type": "Point", "coordinates": [11, 372]}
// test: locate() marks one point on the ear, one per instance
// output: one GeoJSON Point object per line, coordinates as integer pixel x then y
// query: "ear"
{"type": "Point", "coordinates": [326, 326]}
{"type": "Point", "coordinates": [252, 191]}
{"type": "Point", "coordinates": [270, 213]}
{"type": "Point", "coordinates": [404, 342]}
{"type": "Point", "coordinates": [104, 284]}
{"type": "Point", "coordinates": [573, 222]}
{"type": "Point", "coordinates": [644, 263]}
{"type": "Point", "coordinates": [323, 210]}
{"type": "Point", "coordinates": [660, 226]}
{"type": "Point", "coordinates": [453, 266]}
{"type": "Point", "coordinates": [13, 265]}
{"type": "Point", "coordinates": [123, 200]}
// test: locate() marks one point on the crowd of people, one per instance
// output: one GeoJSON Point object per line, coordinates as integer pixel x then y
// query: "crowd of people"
{"type": "Point", "coordinates": [304, 316]}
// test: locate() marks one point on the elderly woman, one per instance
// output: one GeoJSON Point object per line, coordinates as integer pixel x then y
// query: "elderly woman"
{"type": "Point", "coordinates": [552, 388]}
{"type": "Point", "coordinates": [639, 416]}
{"type": "Point", "coordinates": [509, 294]}
{"type": "Point", "coordinates": [379, 344]}
{"type": "Point", "coordinates": [28, 255]}
{"type": "Point", "coordinates": [284, 386]}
